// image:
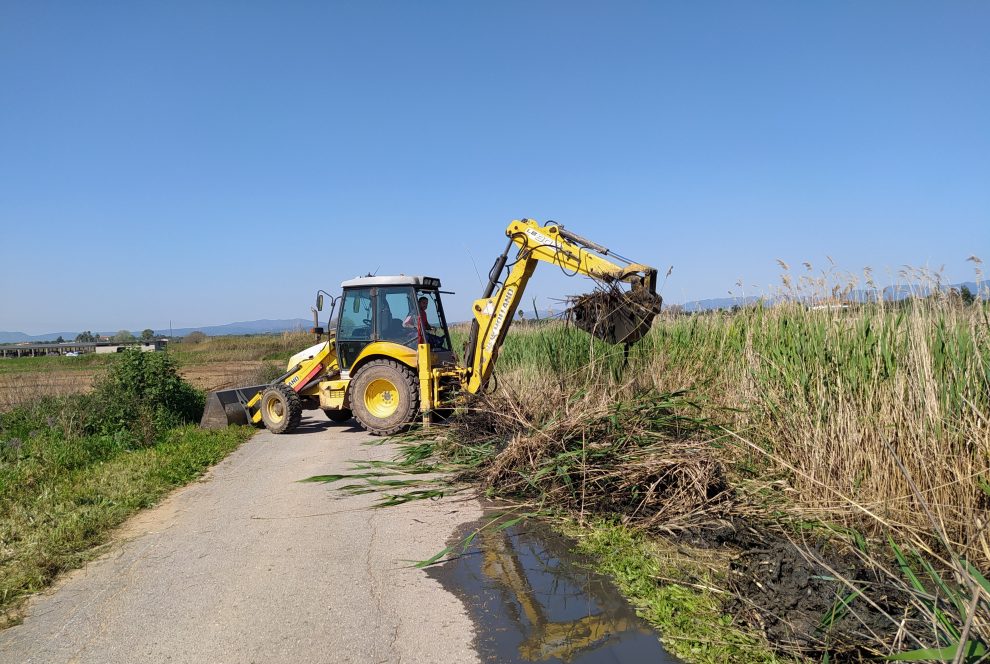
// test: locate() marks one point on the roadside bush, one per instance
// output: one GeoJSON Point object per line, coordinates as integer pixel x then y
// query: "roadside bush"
{"type": "Point", "coordinates": [74, 467]}
{"type": "Point", "coordinates": [141, 393]}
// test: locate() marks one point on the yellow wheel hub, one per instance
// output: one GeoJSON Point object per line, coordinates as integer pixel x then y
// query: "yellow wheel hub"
{"type": "Point", "coordinates": [275, 408]}
{"type": "Point", "coordinates": [381, 398]}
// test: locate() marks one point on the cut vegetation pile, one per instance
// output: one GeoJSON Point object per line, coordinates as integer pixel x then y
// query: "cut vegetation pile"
{"type": "Point", "coordinates": [613, 314]}
{"type": "Point", "coordinates": [648, 459]}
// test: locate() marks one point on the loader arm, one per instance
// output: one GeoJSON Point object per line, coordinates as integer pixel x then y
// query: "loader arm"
{"type": "Point", "coordinates": [494, 312]}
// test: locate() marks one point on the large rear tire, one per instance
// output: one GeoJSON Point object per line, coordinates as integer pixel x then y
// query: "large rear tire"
{"type": "Point", "coordinates": [281, 408]}
{"type": "Point", "coordinates": [384, 397]}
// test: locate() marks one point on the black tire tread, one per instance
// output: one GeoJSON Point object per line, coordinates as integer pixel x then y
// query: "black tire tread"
{"type": "Point", "coordinates": [365, 418]}
{"type": "Point", "coordinates": [293, 405]}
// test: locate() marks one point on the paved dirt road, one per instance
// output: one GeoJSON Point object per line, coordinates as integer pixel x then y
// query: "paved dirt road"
{"type": "Point", "coordinates": [251, 566]}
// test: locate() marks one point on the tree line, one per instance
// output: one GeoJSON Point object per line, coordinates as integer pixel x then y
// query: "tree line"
{"type": "Point", "coordinates": [122, 336]}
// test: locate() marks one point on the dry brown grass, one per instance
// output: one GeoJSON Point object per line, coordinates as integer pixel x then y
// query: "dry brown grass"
{"type": "Point", "coordinates": [648, 460]}
{"type": "Point", "coordinates": [214, 363]}
{"type": "Point", "coordinates": [819, 402]}
{"type": "Point", "coordinates": [18, 389]}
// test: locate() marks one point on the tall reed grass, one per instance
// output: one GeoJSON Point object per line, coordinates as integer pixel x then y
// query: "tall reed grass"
{"type": "Point", "coordinates": [870, 418]}
{"type": "Point", "coordinates": [824, 393]}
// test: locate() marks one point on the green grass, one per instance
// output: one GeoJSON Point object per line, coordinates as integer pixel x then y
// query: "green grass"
{"type": "Point", "coordinates": [73, 468]}
{"type": "Point", "coordinates": [276, 347]}
{"type": "Point", "coordinates": [819, 397]}
{"type": "Point", "coordinates": [673, 592]}
{"type": "Point", "coordinates": [62, 498]}
{"type": "Point", "coordinates": [87, 362]}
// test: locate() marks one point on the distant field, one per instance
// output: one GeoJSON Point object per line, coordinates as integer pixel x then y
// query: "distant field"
{"type": "Point", "coordinates": [214, 363]}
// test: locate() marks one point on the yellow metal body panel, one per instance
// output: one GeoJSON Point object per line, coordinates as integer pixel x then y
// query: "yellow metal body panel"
{"type": "Point", "coordinates": [310, 366]}
{"type": "Point", "coordinates": [332, 393]}
{"type": "Point", "coordinates": [302, 368]}
{"type": "Point", "coordinates": [394, 351]}
{"type": "Point", "coordinates": [425, 370]}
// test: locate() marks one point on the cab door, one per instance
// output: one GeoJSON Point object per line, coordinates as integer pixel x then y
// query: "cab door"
{"type": "Point", "coordinates": [355, 324]}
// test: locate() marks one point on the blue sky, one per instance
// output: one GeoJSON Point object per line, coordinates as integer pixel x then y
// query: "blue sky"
{"type": "Point", "coordinates": [206, 162]}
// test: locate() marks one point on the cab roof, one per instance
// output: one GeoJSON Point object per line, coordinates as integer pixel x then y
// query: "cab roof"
{"type": "Point", "coordinates": [398, 280]}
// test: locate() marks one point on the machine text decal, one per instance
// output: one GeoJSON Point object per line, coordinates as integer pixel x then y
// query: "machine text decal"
{"type": "Point", "coordinates": [540, 237]}
{"type": "Point", "coordinates": [503, 310]}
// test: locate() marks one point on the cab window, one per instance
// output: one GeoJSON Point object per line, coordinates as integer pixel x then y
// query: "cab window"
{"type": "Point", "coordinates": [395, 321]}
{"type": "Point", "coordinates": [355, 315]}
{"type": "Point", "coordinates": [436, 327]}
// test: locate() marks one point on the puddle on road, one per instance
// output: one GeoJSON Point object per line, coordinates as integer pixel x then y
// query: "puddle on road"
{"type": "Point", "coordinates": [533, 601]}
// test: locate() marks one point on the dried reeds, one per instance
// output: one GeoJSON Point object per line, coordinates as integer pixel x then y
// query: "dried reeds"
{"type": "Point", "coordinates": [646, 457]}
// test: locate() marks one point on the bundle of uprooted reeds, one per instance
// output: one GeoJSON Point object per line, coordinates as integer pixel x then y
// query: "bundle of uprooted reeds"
{"type": "Point", "coordinates": [615, 315]}
{"type": "Point", "coordinates": [647, 456]}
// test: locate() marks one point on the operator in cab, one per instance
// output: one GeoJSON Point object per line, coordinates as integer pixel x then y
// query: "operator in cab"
{"type": "Point", "coordinates": [416, 317]}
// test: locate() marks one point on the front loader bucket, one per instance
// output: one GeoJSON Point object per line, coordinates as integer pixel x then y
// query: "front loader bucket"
{"type": "Point", "coordinates": [225, 407]}
{"type": "Point", "coordinates": [616, 316]}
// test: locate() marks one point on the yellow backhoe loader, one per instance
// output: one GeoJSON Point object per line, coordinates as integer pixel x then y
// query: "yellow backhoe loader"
{"type": "Point", "coordinates": [390, 358]}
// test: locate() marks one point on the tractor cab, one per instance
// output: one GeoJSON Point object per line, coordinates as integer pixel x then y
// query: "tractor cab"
{"type": "Point", "coordinates": [399, 310]}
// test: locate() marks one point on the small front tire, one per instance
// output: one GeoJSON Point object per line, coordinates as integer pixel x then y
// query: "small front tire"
{"type": "Point", "coordinates": [281, 408]}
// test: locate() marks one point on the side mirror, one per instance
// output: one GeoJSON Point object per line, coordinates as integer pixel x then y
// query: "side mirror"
{"type": "Point", "coordinates": [319, 301]}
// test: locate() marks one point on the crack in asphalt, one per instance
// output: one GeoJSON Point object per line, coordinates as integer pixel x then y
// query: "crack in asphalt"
{"type": "Point", "coordinates": [376, 583]}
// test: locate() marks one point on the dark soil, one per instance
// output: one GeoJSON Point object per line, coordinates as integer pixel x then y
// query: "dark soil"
{"type": "Point", "coordinates": [789, 589]}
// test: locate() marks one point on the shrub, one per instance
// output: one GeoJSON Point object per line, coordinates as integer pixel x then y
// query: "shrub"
{"type": "Point", "coordinates": [144, 394]}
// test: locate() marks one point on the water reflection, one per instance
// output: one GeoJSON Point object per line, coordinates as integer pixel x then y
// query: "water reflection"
{"type": "Point", "coordinates": [532, 602]}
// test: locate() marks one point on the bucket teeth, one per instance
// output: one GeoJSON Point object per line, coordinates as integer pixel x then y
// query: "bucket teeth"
{"type": "Point", "coordinates": [615, 316]}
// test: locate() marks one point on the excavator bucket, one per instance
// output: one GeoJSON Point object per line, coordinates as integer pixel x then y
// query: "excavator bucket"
{"type": "Point", "coordinates": [615, 316]}
{"type": "Point", "coordinates": [225, 407]}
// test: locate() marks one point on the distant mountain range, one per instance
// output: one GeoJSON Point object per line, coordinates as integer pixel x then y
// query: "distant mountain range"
{"type": "Point", "coordinates": [245, 327]}
{"type": "Point", "coordinates": [889, 294]}
{"type": "Point", "coordinates": [264, 326]}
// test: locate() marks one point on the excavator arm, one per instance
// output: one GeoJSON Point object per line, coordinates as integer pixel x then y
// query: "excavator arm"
{"type": "Point", "coordinates": [625, 318]}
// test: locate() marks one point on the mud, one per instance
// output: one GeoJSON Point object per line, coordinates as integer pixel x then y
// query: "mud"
{"type": "Point", "coordinates": [789, 589]}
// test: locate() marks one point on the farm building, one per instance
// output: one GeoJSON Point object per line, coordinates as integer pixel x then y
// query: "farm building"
{"type": "Point", "coordinates": [78, 348]}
